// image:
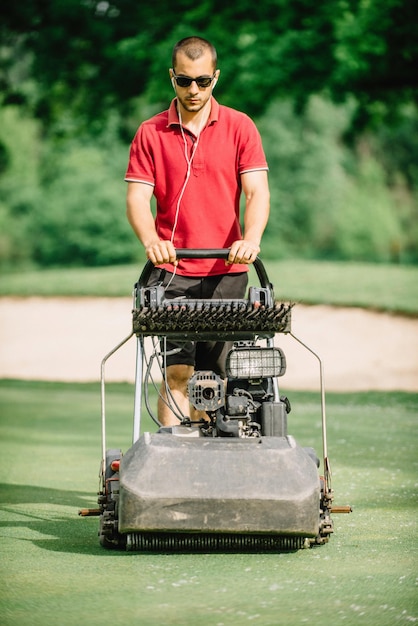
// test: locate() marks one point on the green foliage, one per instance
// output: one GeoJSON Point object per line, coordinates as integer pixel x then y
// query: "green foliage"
{"type": "Point", "coordinates": [86, 74]}
{"type": "Point", "coordinates": [63, 201]}
{"type": "Point", "coordinates": [376, 53]}
{"type": "Point", "coordinates": [328, 201]}
{"type": "Point", "coordinates": [370, 227]}
{"type": "Point", "coordinates": [19, 183]}
{"type": "Point", "coordinates": [81, 218]}
{"type": "Point", "coordinates": [305, 173]}
{"type": "Point", "coordinates": [114, 52]}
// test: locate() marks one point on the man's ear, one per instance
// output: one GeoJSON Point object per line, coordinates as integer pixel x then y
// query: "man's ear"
{"type": "Point", "coordinates": [215, 80]}
{"type": "Point", "coordinates": [173, 80]}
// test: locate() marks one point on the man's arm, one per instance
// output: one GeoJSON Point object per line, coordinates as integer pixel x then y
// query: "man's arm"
{"type": "Point", "coordinates": [257, 209]}
{"type": "Point", "coordinates": [139, 214]}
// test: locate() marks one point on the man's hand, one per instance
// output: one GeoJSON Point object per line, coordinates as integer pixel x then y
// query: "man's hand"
{"type": "Point", "coordinates": [160, 252]}
{"type": "Point", "coordinates": [243, 251]}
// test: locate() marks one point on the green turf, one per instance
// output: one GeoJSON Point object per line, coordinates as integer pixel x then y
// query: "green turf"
{"type": "Point", "coordinates": [54, 572]}
{"type": "Point", "coordinates": [376, 286]}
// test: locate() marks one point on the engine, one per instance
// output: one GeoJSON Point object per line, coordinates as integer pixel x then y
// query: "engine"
{"type": "Point", "coordinates": [242, 405]}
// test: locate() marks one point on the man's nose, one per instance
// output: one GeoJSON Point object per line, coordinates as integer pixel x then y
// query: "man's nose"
{"type": "Point", "coordinates": [194, 87]}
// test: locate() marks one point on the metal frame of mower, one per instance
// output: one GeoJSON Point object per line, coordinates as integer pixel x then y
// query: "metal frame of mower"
{"type": "Point", "coordinates": [245, 409]}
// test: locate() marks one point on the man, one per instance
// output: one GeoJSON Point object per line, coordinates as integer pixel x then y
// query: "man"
{"type": "Point", "coordinates": [196, 158]}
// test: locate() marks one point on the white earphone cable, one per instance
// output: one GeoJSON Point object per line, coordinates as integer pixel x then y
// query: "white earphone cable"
{"type": "Point", "coordinates": [186, 180]}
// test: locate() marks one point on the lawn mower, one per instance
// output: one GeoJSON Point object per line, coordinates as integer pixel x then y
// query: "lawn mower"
{"type": "Point", "coordinates": [235, 480]}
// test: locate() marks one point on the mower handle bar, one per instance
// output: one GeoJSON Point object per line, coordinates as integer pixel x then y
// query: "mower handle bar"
{"type": "Point", "coordinates": [208, 253]}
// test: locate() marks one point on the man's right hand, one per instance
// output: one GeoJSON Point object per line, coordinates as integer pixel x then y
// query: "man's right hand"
{"type": "Point", "coordinates": [160, 252]}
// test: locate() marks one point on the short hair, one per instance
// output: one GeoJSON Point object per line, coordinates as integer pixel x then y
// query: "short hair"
{"type": "Point", "coordinates": [194, 48]}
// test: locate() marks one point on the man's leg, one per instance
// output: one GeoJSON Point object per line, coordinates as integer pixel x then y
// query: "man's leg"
{"type": "Point", "coordinates": [212, 356]}
{"type": "Point", "coordinates": [173, 402]}
{"type": "Point", "coordinates": [177, 377]}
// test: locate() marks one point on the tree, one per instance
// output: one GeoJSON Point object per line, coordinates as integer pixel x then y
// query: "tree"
{"type": "Point", "coordinates": [94, 55]}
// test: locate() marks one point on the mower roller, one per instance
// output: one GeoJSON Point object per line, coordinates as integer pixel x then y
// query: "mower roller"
{"type": "Point", "coordinates": [234, 480]}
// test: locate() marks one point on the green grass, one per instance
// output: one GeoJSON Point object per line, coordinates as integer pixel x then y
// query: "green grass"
{"type": "Point", "coordinates": [383, 287]}
{"type": "Point", "coordinates": [54, 572]}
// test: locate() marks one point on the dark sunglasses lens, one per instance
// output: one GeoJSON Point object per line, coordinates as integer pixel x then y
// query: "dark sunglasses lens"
{"type": "Point", "coordinates": [205, 81]}
{"type": "Point", "coordinates": [185, 81]}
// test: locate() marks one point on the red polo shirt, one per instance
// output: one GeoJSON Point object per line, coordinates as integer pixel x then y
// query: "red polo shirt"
{"type": "Point", "coordinates": [208, 214]}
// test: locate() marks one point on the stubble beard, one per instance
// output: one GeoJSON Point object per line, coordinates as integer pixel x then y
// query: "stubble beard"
{"type": "Point", "coordinates": [193, 108]}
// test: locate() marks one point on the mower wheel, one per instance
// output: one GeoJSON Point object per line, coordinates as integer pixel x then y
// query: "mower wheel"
{"type": "Point", "coordinates": [109, 536]}
{"type": "Point", "coordinates": [114, 454]}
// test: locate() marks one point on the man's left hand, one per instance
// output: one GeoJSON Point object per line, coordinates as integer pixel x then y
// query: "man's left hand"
{"type": "Point", "coordinates": [243, 251]}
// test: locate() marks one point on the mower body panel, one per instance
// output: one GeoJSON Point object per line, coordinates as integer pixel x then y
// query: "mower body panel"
{"type": "Point", "coordinates": [218, 485]}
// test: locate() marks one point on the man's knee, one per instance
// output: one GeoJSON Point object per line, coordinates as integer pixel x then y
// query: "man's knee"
{"type": "Point", "coordinates": [177, 376]}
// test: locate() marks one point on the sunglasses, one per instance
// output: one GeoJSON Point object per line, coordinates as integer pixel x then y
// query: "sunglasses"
{"type": "Point", "coordinates": [201, 81]}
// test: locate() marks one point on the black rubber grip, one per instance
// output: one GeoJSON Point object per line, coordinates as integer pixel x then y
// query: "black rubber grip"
{"type": "Point", "coordinates": [209, 253]}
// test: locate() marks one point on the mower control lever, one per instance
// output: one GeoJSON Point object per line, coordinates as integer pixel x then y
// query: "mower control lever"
{"type": "Point", "coordinates": [209, 253]}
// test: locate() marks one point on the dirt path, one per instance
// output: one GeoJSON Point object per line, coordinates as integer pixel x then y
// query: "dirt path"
{"type": "Point", "coordinates": [65, 339]}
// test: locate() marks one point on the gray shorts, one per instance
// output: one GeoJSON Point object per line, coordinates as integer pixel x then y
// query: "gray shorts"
{"type": "Point", "coordinates": [202, 355]}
